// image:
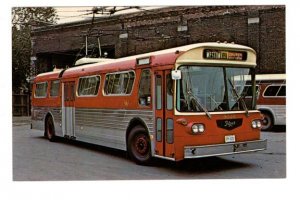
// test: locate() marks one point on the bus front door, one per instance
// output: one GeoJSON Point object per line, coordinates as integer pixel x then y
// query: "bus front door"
{"type": "Point", "coordinates": [68, 110]}
{"type": "Point", "coordinates": [164, 136]}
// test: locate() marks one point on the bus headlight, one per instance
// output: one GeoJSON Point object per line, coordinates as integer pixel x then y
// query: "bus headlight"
{"type": "Point", "coordinates": [256, 124]}
{"type": "Point", "coordinates": [195, 128]}
{"type": "Point", "coordinates": [198, 128]}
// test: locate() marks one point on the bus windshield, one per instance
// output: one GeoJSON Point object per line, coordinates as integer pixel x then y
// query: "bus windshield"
{"type": "Point", "coordinates": [209, 89]}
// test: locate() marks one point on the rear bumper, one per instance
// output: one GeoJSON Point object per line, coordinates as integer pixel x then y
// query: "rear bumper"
{"type": "Point", "coordinates": [224, 149]}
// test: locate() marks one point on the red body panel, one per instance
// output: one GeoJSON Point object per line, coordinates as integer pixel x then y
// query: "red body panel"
{"type": "Point", "coordinates": [212, 133]}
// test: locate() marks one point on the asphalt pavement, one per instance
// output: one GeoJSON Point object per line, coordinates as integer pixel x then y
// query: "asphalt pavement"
{"type": "Point", "coordinates": [37, 159]}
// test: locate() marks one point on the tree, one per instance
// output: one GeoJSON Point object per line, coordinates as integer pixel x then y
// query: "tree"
{"type": "Point", "coordinates": [23, 19]}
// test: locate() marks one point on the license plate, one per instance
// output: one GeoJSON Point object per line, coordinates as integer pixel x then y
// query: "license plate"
{"type": "Point", "coordinates": [229, 138]}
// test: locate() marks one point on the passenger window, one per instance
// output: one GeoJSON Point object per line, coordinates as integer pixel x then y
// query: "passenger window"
{"type": "Point", "coordinates": [169, 92]}
{"type": "Point", "coordinates": [128, 79]}
{"type": "Point", "coordinates": [158, 129]}
{"type": "Point", "coordinates": [281, 92]}
{"type": "Point", "coordinates": [271, 91]}
{"type": "Point", "coordinates": [158, 90]}
{"type": "Point", "coordinates": [54, 88]}
{"type": "Point", "coordinates": [41, 90]}
{"type": "Point", "coordinates": [145, 88]}
{"type": "Point", "coordinates": [170, 131]}
{"type": "Point", "coordinates": [88, 86]}
{"type": "Point", "coordinates": [119, 83]}
{"type": "Point", "coordinates": [275, 90]}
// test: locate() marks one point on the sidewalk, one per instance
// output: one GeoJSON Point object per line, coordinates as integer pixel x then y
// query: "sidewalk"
{"type": "Point", "coordinates": [22, 120]}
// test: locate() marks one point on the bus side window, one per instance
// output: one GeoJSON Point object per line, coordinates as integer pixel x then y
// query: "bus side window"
{"type": "Point", "coordinates": [54, 88]}
{"type": "Point", "coordinates": [120, 83]}
{"type": "Point", "coordinates": [41, 90]}
{"type": "Point", "coordinates": [281, 92]}
{"type": "Point", "coordinates": [145, 88]}
{"type": "Point", "coordinates": [274, 91]}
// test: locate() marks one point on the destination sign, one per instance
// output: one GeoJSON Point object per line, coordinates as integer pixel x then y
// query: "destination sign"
{"type": "Point", "coordinates": [224, 55]}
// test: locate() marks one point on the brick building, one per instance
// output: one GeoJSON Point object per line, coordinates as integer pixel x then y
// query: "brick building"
{"type": "Point", "coordinates": [260, 27]}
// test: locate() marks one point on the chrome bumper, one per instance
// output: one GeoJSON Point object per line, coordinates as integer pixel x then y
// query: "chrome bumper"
{"type": "Point", "coordinates": [224, 149]}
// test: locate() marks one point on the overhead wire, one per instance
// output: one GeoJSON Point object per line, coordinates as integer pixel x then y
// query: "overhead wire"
{"type": "Point", "coordinates": [104, 10]}
{"type": "Point", "coordinates": [97, 32]}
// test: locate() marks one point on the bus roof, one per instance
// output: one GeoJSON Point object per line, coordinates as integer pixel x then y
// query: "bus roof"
{"type": "Point", "coordinates": [48, 75]}
{"type": "Point", "coordinates": [219, 54]}
{"type": "Point", "coordinates": [262, 77]}
{"type": "Point", "coordinates": [157, 58]}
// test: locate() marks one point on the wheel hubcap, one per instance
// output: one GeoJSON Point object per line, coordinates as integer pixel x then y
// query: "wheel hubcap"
{"type": "Point", "coordinates": [141, 145]}
{"type": "Point", "coordinates": [265, 121]}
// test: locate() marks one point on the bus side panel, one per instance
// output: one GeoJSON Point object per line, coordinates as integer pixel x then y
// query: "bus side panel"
{"type": "Point", "coordinates": [107, 127]}
{"type": "Point", "coordinates": [101, 136]}
{"type": "Point", "coordinates": [278, 112]}
{"type": "Point", "coordinates": [38, 115]}
{"type": "Point", "coordinates": [38, 118]}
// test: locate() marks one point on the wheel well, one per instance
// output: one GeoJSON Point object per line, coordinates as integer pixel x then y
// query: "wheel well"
{"type": "Point", "coordinates": [46, 118]}
{"type": "Point", "coordinates": [269, 112]}
{"type": "Point", "coordinates": [133, 123]}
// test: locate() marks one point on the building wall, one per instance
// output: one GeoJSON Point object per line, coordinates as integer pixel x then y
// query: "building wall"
{"type": "Point", "coordinates": [260, 27]}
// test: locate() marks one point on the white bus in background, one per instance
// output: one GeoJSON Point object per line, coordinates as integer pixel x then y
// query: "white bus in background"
{"type": "Point", "coordinates": [272, 99]}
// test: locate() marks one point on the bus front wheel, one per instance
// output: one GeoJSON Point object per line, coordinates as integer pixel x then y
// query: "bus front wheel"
{"type": "Point", "coordinates": [267, 121]}
{"type": "Point", "coordinates": [138, 146]}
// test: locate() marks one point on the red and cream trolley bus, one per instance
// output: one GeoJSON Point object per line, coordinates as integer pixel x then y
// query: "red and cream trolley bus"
{"type": "Point", "coordinates": [174, 104]}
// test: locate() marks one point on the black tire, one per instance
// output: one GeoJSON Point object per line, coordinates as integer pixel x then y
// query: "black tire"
{"type": "Point", "coordinates": [267, 121]}
{"type": "Point", "coordinates": [50, 130]}
{"type": "Point", "coordinates": [138, 146]}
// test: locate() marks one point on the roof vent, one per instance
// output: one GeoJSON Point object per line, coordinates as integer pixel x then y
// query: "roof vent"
{"type": "Point", "coordinates": [84, 61]}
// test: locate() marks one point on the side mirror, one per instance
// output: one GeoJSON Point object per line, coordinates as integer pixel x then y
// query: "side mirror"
{"type": "Point", "coordinates": [176, 74]}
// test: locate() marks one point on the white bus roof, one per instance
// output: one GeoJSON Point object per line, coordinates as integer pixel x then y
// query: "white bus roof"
{"type": "Point", "coordinates": [262, 77]}
{"type": "Point", "coordinates": [266, 77]}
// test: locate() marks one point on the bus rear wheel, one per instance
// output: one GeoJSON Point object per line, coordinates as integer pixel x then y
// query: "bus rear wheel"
{"type": "Point", "coordinates": [50, 131]}
{"type": "Point", "coordinates": [138, 146]}
{"type": "Point", "coordinates": [267, 121]}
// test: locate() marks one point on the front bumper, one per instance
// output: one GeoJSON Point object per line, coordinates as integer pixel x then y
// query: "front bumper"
{"type": "Point", "coordinates": [224, 149]}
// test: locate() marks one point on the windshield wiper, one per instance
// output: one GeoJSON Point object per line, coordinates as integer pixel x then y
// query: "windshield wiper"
{"type": "Point", "coordinates": [215, 102]}
{"type": "Point", "coordinates": [190, 93]}
{"type": "Point", "coordinates": [239, 98]}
